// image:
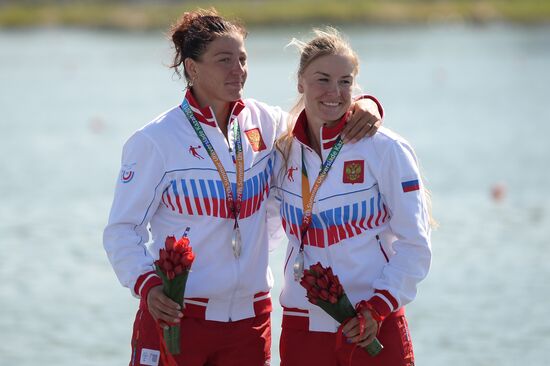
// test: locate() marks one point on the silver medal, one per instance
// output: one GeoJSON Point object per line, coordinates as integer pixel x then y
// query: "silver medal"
{"type": "Point", "coordinates": [236, 242]}
{"type": "Point", "coordinates": [299, 266]}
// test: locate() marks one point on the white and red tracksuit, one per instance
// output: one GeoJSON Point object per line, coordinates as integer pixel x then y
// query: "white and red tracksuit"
{"type": "Point", "coordinates": [169, 182]}
{"type": "Point", "coordinates": [370, 224]}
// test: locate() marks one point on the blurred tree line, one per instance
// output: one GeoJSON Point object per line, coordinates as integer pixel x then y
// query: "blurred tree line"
{"type": "Point", "coordinates": [143, 14]}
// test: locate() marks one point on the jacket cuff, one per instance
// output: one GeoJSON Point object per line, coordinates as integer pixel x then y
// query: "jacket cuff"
{"type": "Point", "coordinates": [383, 303]}
{"type": "Point", "coordinates": [145, 283]}
{"type": "Point", "coordinates": [378, 104]}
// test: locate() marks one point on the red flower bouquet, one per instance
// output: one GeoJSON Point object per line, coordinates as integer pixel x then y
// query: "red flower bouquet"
{"type": "Point", "coordinates": [324, 290]}
{"type": "Point", "coordinates": [173, 267]}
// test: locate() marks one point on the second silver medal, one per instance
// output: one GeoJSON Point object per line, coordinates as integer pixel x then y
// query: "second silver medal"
{"type": "Point", "coordinates": [299, 266]}
{"type": "Point", "coordinates": [236, 242]}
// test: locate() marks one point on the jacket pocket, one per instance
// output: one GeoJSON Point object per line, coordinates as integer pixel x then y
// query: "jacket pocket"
{"type": "Point", "coordinates": [382, 248]}
{"type": "Point", "coordinates": [288, 259]}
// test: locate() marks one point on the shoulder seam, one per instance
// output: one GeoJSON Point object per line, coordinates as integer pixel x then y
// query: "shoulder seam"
{"type": "Point", "coordinates": [155, 145]}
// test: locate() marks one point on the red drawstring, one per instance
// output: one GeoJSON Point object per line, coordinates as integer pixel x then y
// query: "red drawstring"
{"type": "Point", "coordinates": [351, 354]}
{"type": "Point", "coordinates": [339, 334]}
{"type": "Point", "coordinates": [165, 356]}
{"type": "Point", "coordinates": [362, 323]}
{"type": "Point", "coordinates": [362, 306]}
{"type": "Point", "coordinates": [359, 308]}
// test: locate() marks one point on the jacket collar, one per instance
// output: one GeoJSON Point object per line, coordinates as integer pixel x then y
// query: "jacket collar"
{"type": "Point", "coordinates": [329, 134]}
{"type": "Point", "coordinates": [206, 115]}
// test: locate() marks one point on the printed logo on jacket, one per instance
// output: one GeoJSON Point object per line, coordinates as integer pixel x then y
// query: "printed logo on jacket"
{"type": "Point", "coordinates": [255, 138]}
{"type": "Point", "coordinates": [354, 171]}
{"type": "Point", "coordinates": [410, 185]}
{"type": "Point", "coordinates": [127, 173]}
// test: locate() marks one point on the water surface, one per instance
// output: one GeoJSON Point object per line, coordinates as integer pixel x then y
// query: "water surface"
{"type": "Point", "coordinates": [473, 101]}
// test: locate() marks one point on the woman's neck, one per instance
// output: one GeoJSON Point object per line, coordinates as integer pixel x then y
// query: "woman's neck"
{"type": "Point", "coordinates": [219, 108]}
{"type": "Point", "coordinates": [221, 112]}
{"type": "Point", "coordinates": [314, 132]}
{"type": "Point", "coordinates": [314, 135]}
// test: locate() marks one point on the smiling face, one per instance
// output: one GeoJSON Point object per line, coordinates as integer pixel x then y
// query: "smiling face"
{"type": "Point", "coordinates": [326, 85]}
{"type": "Point", "coordinates": [219, 75]}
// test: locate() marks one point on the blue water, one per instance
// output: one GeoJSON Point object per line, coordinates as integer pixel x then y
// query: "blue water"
{"type": "Point", "coordinates": [472, 100]}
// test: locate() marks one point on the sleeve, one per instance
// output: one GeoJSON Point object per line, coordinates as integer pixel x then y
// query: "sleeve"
{"type": "Point", "coordinates": [275, 230]}
{"type": "Point", "coordinates": [401, 186]}
{"type": "Point", "coordinates": [280, 117]}
{"type": "Point", "coordinates": [135, 201]}
{"type": "Point", "coordinates": [283, 123]}
{"type": "Point", "coordinates": [375, 100]}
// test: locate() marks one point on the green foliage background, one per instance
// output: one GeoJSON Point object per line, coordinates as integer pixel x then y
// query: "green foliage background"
{"type": "Point", "coordinates": [142, 15]}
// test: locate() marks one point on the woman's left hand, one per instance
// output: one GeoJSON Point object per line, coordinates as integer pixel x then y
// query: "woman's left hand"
{"type": "Point", "coordinates": [352, 330]}
{"type": "Point", "coordinates": [364, 121]}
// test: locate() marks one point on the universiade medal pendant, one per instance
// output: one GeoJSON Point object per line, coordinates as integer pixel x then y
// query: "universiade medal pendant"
{"type": "Point", "coordinates": [236, 242]}
{"type": "Point", "coordinates": [299, 266]}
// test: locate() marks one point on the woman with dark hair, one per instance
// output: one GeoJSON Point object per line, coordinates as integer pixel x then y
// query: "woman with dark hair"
{"type": "Point", "coordinates": [204, 164]}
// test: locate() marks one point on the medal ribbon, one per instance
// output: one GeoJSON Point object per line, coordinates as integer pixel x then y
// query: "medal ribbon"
{"type": "Point", "coordinates": [234, 205]}
{"type": "Point", "coordinates": [309, 196]}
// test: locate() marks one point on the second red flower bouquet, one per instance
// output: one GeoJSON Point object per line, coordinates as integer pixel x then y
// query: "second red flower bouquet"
{"type": "Point", "coordinates": [324, 290]}
{"type": "Point", "coordinates": [173, 267]}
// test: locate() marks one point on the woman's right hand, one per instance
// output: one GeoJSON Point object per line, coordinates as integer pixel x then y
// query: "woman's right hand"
{"type": "Point", "coordinates": [163, 309]}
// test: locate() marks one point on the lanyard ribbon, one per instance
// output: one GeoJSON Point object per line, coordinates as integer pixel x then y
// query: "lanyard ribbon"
{"type": "Point", "coordinates": [309, 196]}
{"type": "Point", "coordinates": [234, 204]}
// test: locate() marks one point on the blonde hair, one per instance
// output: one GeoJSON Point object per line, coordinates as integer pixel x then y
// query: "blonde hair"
{"type": "Point", "coordinates": [327, 41]}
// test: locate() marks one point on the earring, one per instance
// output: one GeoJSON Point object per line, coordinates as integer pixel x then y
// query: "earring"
{"type": "Point", "coordinates": [192, 81]}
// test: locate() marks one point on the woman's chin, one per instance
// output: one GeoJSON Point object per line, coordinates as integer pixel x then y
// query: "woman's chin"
{"type": "Point", "coordinates": [234, 93]}
{"type": "Point", "coordinates": [332, 118]}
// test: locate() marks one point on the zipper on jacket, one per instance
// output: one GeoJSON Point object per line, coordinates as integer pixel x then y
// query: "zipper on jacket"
{"type": "Point", "coordinates": [288, 258]}
{"type": "Point", "coordinates": [329, 258]}
{"type": "Point", "coordinates": [231, 151]}
{"type": "Point", "coordinates": [314, 153]}
{"type": "Point", "coordinates": [228, 143]}
{"type": "Point", "coordinates": [234, 291]}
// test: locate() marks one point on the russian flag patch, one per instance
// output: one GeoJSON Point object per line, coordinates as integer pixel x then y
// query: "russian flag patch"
{"type": "Point", "coordinates": [410, 185]}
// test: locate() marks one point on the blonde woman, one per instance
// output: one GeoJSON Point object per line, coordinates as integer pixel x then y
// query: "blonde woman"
{"type": "Point", "coordinates": [369, 218]}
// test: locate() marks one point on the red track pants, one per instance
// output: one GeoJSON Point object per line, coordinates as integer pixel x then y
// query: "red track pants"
{"type": "Point", "coordinates": [303, 347]}
{"type": "Point", "coordinates": [205, 343]}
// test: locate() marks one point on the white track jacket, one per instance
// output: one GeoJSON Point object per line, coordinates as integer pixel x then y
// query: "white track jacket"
{"type": "Point", "coordinates": [169, 182]}
{"type": "Point", "coordinates": [370, 222]}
